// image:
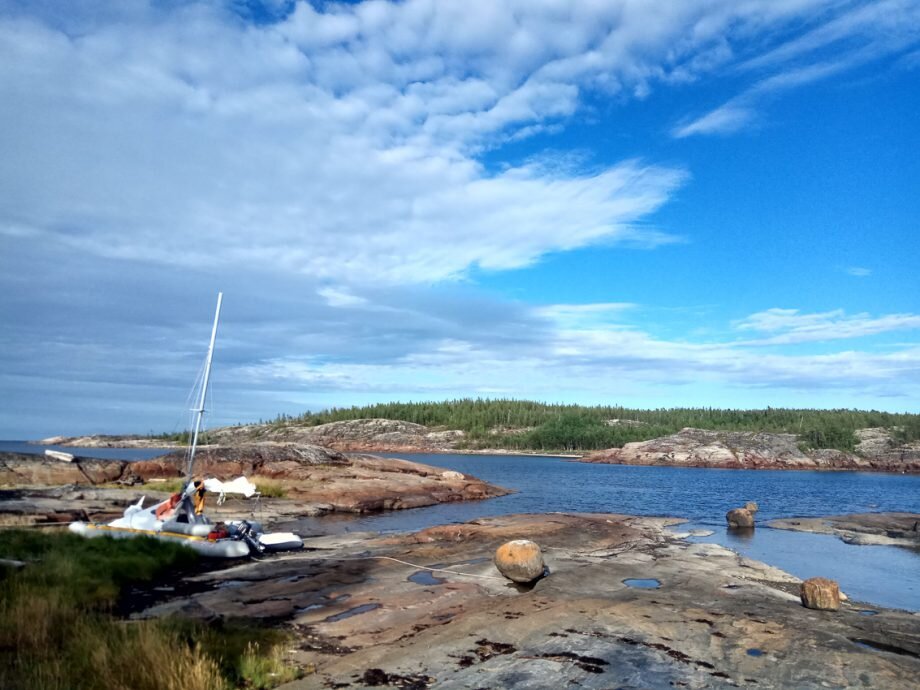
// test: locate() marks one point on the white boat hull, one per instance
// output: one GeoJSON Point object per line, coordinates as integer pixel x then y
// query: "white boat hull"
{"type": "Point", "coordinates": [218, 548]}
{"type": "Point", "coordinates": [281, 541]}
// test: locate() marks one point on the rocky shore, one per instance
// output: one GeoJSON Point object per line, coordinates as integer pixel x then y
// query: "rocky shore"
{"type": "Point", "coordinates": [887, 529]}
{"type": "Point", "coordinates": [625, 603]}
{"type": "Point", "coordinates": [750, 450]}
{"type": "Point", "coordinates": [317, 479]}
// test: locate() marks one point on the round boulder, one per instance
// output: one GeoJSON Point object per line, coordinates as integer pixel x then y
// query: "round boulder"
{"type": "Point", "coordinates": [520, 560]}
{"type": "Point", "coordinates": [751, 506]}
{"type": "Point", "coordinates": [739, 518]}
{"type": "Point", "coordinates": [821, 594]}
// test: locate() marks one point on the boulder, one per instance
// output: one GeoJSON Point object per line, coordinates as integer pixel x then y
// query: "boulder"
{"type": "Point", "coordinates": [740, 518]}
{"type": "Point", "coordinates": [821, 594]}
{"type": "Point", "coordinates": [520, 560]}
{"type": "Point", "coordinates": [451, 475]}
{"type": "Point", "coordinates": [751, 506]}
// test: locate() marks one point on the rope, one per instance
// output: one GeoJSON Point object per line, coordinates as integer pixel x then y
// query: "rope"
{"type": "Point", "coordinates": [414, 565]}
{"type": "Point", "coordinates": [425, 567]}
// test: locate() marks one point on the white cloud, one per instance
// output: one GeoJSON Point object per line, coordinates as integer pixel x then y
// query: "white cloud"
{"type": "Point", "coordinates": [859, 271]}
{"type": "Point", "coordinates": [340, 298]}
{"type": "Point", "coordinates": [857, 36]}
{"type": "Point", "coordinates": [332, 162]}
{"type": "Point", "coordinates": [726, 119]}
{"type": "Point", "coordinates": [792, 326]}
{"type": "Point", "coordinates": [340, 142]}
{"type": "Point", "coordinates": [601, 358]}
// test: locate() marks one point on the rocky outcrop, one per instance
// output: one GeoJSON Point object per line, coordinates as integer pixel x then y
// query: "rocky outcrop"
{"type": "Point", "coordinates": [885, 529]}
{"type": "Point", "coordinates": [322, 480]}
{"type": "Point", "coordinates": [107, 441]}
{"type": "Point", "coordinates": [22, 469]}
{"type": "Point", "coordinates": [363, 610]}
{"type": "Point", "coordinates": [749, 450]}
{"type": "Point", "coordinates": [355, 435]}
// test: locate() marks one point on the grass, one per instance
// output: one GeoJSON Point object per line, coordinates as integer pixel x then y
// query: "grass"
{"type": "Point", "coordinates": [269, 488]}
{"type": "Point", "coordinates": [172, 486]}
{"type": "Point", "coordinates": [57, 630]}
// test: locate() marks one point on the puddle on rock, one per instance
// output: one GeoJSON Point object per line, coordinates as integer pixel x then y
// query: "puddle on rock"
{"type": "Point", "coordinates": [356, 611]}
{"type": "Point", "coordinates": [229, 584]}
{"type": "Point", "coordinates": [311, 607]}
{"type": "Point", "coordinates": [425, 577]}
{"type": "Point", "coordinates": [883, 647]}
{"type": "Point", "coordinates": [867, 612]}
{"type": "Point", "coordinates": [753, 651]}
{"type": "Point", "coordinates": [639, 583]}
{"type": "Point", "coordinates": [324, 602]}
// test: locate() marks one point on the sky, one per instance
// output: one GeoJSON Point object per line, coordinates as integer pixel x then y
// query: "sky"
{"type": "Point", "coordinates": [637, 202]}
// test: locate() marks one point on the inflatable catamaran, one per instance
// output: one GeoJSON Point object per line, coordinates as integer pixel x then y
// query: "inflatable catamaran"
{"type": "Point", "coordinates": [181, 518]}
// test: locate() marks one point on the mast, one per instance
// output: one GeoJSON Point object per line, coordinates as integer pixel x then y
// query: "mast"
{"type": "Point", "coordinates": [199, 411]}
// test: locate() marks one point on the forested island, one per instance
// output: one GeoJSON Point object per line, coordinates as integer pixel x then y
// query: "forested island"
{"type": "Point", "coordinates": [536, 426]}
{"type": "Point", "coordinates": [697, 437]}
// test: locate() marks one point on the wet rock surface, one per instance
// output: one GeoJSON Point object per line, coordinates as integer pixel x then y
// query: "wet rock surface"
{"type": "Point", "coordinates": [717, 620]}
{"type": "Point", "coordinates": [759, 450]}
{"type": "Point", "coordinates": [886, 529]}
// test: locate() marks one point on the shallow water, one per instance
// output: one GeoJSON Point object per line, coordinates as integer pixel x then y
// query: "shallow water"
{"type": "Point", "coordinates": [882, 575]}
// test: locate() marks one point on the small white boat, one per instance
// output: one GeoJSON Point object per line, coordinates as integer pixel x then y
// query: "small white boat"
{"type": "Point", "coordinates": [181, 519]}
{"type": "Point", "coordinates": [59, 455]}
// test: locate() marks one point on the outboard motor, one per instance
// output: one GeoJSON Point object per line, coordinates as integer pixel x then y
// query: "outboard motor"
{"type": "Point", "coordinates": [245, 531]}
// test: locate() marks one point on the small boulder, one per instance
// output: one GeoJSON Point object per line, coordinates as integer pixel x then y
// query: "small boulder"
{"type": "Point", "coordinates": [739, 518]}
{"type": "Point", "coordinates": [520, 560]}
{"type": "Point", "coordinates": [450, 474]}
{"type": "Point", "coordinates": [821, 594]}
{"type": "Point", "coordinates": [751, 506]}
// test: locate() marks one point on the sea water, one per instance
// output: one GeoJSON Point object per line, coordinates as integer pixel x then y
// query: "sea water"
{"type": "Point", "coordinates": [883, 575]}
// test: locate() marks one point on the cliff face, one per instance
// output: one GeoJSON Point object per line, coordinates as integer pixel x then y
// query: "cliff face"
{"type": "Point", "coordinates": [741, 449]}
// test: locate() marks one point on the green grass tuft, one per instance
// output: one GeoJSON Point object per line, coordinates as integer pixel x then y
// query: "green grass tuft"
{"type": "Point", "coordinates": [57, 631]}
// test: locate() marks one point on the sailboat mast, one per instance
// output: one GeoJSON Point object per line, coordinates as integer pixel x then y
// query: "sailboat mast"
{"type": "Point", "coordinates": [199, 411]}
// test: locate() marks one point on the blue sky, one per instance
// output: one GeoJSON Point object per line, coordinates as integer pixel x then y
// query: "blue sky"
{"type": "Point", "coordinates": [640, 203]}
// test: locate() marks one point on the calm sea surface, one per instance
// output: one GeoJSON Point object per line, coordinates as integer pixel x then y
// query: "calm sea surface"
{"type": "Point", "coordinates": [882, 575]}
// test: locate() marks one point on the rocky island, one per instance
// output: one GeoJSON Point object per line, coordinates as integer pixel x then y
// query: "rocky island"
{"type": "Point", "coordinates": [760, 450]}
{"type": "Point", "coordinates": [874, 449]}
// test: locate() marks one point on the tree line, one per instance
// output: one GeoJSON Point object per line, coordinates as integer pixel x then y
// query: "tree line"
{"type": "Point", "coordinates": [529, 425]}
